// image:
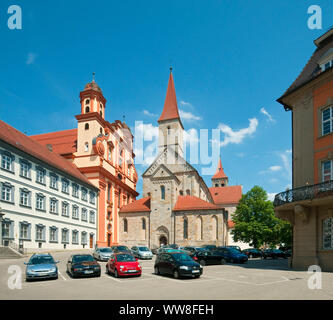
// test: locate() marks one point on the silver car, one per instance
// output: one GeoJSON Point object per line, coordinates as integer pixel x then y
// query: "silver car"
{"type": "Point", "coordinates": [102, 254]}
{"type": "Point", "coordinates": [41, 266]}
{"type": "Point", "coordinates": [142, 252]}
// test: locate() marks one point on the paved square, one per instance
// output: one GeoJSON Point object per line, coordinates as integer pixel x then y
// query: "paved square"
{"type": "Point", "coordinates": [257, 279]}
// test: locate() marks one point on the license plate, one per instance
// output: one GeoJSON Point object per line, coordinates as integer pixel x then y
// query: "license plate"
{"type": "Point", "coordinates": [131, 271]}
{"type": "Point", "coordinates": [88, 272]}
{"type": "Point", "coordinates": [195, 271]}
{"type": "Point", "coordinates": [42, 273]}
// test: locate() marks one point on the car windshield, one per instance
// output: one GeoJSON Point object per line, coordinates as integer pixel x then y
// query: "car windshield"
{"type": "Point", "coordinates": [122, 248]}
{"type": "Point", "coordinates": [83, 258]}
{"type": "Point", "coordinates": [125, 258]}
{"type": "Point", "coordinates": [182, 257]}
{"type": "Point", "coordinates": [143, 249]}
{"type": "Point", "coordinates": [105, 250]}
{"type": "Point", "coordinates": [234, 251]}
{"type": "Point", "coordinates": [200, 249]}
{"type": "Point", "coordinates": [41, 260]}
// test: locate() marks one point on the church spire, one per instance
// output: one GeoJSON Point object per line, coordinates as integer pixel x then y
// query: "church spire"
{"type": "Point", "coordinates": [170, 110]}
{"type": "Point", "coordinates": [220, 179]}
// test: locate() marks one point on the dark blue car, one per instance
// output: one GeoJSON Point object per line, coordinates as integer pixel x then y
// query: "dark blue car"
{"type": "Point", "coordinates": [232, 255]}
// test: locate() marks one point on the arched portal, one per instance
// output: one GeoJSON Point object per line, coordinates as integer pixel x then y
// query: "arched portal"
{"type": "Point", "coordinates": [163, 241]}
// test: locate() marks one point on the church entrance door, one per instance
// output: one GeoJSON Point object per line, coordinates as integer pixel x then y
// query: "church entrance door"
{"type": "Point", "coordinates": [163, 241]}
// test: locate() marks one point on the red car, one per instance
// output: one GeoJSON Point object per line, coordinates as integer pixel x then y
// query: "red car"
{"type": "Point", "coordinates": [123, 264]}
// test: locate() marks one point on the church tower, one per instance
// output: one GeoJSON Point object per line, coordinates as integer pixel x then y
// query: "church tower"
{"type": "Point", "coordinates": [91, 121]}
{"type": "Point", "coordinates": [170, 126]}
{"type": "Point", "coordinates": [220, 179]}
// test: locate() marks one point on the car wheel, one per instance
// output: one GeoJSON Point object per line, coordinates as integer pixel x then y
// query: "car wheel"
{"type": "Point", "coordinates": [176, 274]}
{"type": "Point", "coordinates": [203, 262]}
{"type": "Point", "coordinates": [198, 276]}
{"type": "Point", "coordinates": [156, 271]}
{"type": "Point", "coordinates": [222, 261]}
{"type": "Point", "coordinates": [98, 275]}
{"type": "Point", "coordinates": [116, 273]}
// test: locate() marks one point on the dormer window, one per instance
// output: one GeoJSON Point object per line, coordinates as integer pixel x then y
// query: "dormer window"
{"type": "Point", "coordinates": [326, 61]}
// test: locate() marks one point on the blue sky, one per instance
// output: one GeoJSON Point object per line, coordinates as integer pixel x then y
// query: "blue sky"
{"type": "Point", "coordinates": [230, 60]}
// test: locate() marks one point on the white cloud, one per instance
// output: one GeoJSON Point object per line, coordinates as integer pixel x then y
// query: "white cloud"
{"type": "Point", "coordinates": [191, 136]}
{"type": "Point", "coordinates": [275, 168]}
{"type": "Point", "coordinates": [236, 137]}
{"type": "Point", "coordinates": [31, 58]}
{"type": "Point", "coordinates": [271, 196]}
{"type": "Point", "coordinates": [188, 116]}
{"type": "Point", "coordinates": [149, 114]}
{"type": "Point", "coordinates": [270, 118]}
{"type": "Point", "coordinates": [186, 104]}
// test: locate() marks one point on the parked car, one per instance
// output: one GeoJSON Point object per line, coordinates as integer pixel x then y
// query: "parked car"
{"type": "Point", "coordinates": [123, 264]}
{"type": "Point", "coordinates": [232, 255]}
{"type": "Point", "coordinates": [192, 250]}
{"type": "Point", "coordinates": [174, 246]}
{"type": "Point", "coordinates": [83, 265]}
{"type": "Point", "coordinates": [166, 249]}
{"type": "Point", "coordinates": [209, 246]}
{"type": "Point", "coordinates": [102, 254]}
{"type": "Point", "coordinates": [41, 266]}
{"type": "Point", "coordinates": [205, 257]}
{"type": "Point", "coordinates": [274, 254]}
{"type": "Point", "coordinates": [120, 249]}
{"type": "Point", "coordinates": [288, 253]}
{"type": "Point", "coordinates": [253, 253]}
{"type": "Point", "coordinates": [235, 247]}
{"type": "Point", "coordinates": [178, 264]}
{"type": "Point", "coordinates": [142, 252]}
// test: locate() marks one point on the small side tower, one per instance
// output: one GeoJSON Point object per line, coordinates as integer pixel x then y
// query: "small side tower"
{"type": "Point", "coordinates": [220, 179]}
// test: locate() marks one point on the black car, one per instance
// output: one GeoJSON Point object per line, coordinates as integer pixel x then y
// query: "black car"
{"type": "Point", "coordinates": [178, 264]}
{"type": "Point", "coordinates": [209, 246]}
{"type": "Point", "coordinates": [274, 254]}
{"type": "Point", "coordinates": [192, 250]}
{"type": "Point", "coordinates": [235, 247]}
{"type": "Point", "coordinates": [205, 257]}
{"type": "Point", "coordinates": [117, 249]}
{"type": "Point", "coordinates": [253, 253]}
{"type": "Point", "coordinates": [232, 255]}
{"type": "Point", "coordinates": [83, 265]}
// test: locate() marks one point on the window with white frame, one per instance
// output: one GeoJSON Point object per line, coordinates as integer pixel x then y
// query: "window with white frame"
{"type": "Point", "coordinates": [327, 170]}
{"type": "Point", "coordinates": [328, 233]}
{"type": "Point", "coordinates": [53, 234]}
{"type": "Point", "coordinates": [65, 186]}
{"type": "Point", "coordinates": [7, 192]}
{"type": "Point", "coordinates": [64, 235]}
{"type": "Point", "coordinates": [25, 167]}
{"type": "Point", "coordinates": [25, 231]}
{"type": "Point", "coordinates": [75, 212]}
{"type": "Point", "coordinates": [84, 194]}
{"type": "Point", "coordinates": [84, 214]}
{"type": "Point", "coordinates": [84, 237]}
{"type": "Point", "coordinates": [25, 197]}
{"type": "Point", "coordinates": [54, 181]}
{"type": "Point", "coordinates": [7, 161]}
{"type": "Point", "coordinates": [92, 217]}
{"type": "Point", "coordinates": [40, 201]}
{"type": "Point", "coordinates": [75, 189]}
{"type": "Point", "coordinates": [92, 197]}
{"type": "Point", "coordinates": [7, 229]}
{"type": "Point", "coordinates": [327, 120]}
{"type": "Point", "coordinates": [54, 205]}
{"type": "Point", "coordinates": [75, 237]}
{"type": "Point", "coordinates": [40, 175]}
{"type": "Point", "coordinates": [65, 209]}
{"type": "Point", "coordinates": [40, 232]}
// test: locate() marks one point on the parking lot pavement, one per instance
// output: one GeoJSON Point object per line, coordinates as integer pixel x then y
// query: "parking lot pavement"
{"type": "Point", "coordinates": [257, 279]}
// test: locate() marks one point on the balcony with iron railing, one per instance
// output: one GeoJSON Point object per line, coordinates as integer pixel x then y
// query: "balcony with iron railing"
{"type": "Point", "coordinates": [308, 192]}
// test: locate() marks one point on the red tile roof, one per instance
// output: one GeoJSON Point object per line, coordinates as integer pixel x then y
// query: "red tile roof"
{"type": "Point", "coordinates": [231, 224]}
{"type": "Point", "coordinates": [62, 142]}
{"type": "Point", "coordinates": [226, 195]}
{"type": "Point", "coordinates": [170, 110]}
{"type": "Point", "coordinates": [189, 203]}
{"type": "Point", "coordinates": [141, 205]}
{"type": "Point", "coordinates": [219, 172]}
{"type": "Point", "coordinates": [22, 142]}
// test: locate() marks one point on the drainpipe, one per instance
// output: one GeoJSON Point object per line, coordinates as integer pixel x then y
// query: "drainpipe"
{"type": "Point", "coordinates": [1, 215]}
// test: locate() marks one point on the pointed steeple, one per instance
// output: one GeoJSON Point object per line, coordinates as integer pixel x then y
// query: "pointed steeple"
{"type": "Point", "coordinates": [220, 179]}
{"type": "Point", "coordinates": [170, 110]}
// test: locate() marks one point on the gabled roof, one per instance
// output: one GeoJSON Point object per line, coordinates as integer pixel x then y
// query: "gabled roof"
{"type": "Point", "coordinates": [311, 70]}
{"type": "Point", "coordinates": [226, 195]}
{"type": "Point", "coordinates": [26, 144]}
{"type": "Point", "coordinates": [190, 203]}
{"type": "Point", "coordinates": [62, 142]}
{"type": "Point", "coordinates": [170, 110]}
{"type": "Point", "coordinates": [219, 172]}
{"type": "Point", "coordinates": [141, 205]}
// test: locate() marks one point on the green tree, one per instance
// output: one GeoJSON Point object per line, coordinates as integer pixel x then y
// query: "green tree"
{"type": "Point", "coordinates": [256, 223]}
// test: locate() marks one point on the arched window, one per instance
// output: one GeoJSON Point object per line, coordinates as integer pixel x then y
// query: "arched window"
{"type": "Point", "coordinates": [328, 233]}
{"type": "Point", "coordinates": [199, 228]}
{"type": "Point", "coordinates": [87, 109]}
{"type": "Point", "coordinates": [143, 224]}
{"type": "Point", "coordinates": [188, 192]}
{"type": "Point", "coordinates": [87, 101]}
{"type": "Point", "coordinates": [216, 185]}
{"type": "Point", "coordinates": [86, 147]}
{"type": "Point", "coordinates": [215, 228]}
{"type": "Point", "coordinates": [169, 129]}
{"type": "Point", "coordinates": [181, 192]}
{"type": "Point", "coordinates": [185, 228]}
{"type": "Point", "coordinates": [101, 130]}
{"type": "Point", "coordinates": [86, 126]}
{"type": "Point", "coordinates": [163, 192]}
{"type": "Point", "coordinates": [101, 113]}
{"type": "Point", "coordinates": [125, 223]}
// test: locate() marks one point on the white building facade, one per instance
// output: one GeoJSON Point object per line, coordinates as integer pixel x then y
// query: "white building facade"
{"type": "Point", "coordinates": [44, 208]}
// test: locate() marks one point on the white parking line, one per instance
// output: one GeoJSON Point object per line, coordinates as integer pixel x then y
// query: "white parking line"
{"type": "Point", "coordinates": [62, 276]}
{"type": "Point", "coordinates": [110, 277]}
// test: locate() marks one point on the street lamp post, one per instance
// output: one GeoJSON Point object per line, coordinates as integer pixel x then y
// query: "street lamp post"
{"type": "Point", "coordinates": [1, 215]}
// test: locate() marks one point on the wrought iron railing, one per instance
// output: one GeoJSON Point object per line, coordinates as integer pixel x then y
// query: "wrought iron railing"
{"type": "Point", "coordinates": [311, 192]}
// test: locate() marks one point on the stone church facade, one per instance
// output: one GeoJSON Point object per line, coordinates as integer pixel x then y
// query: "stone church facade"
{"type": "Point", "coordinates": [177, 206]}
